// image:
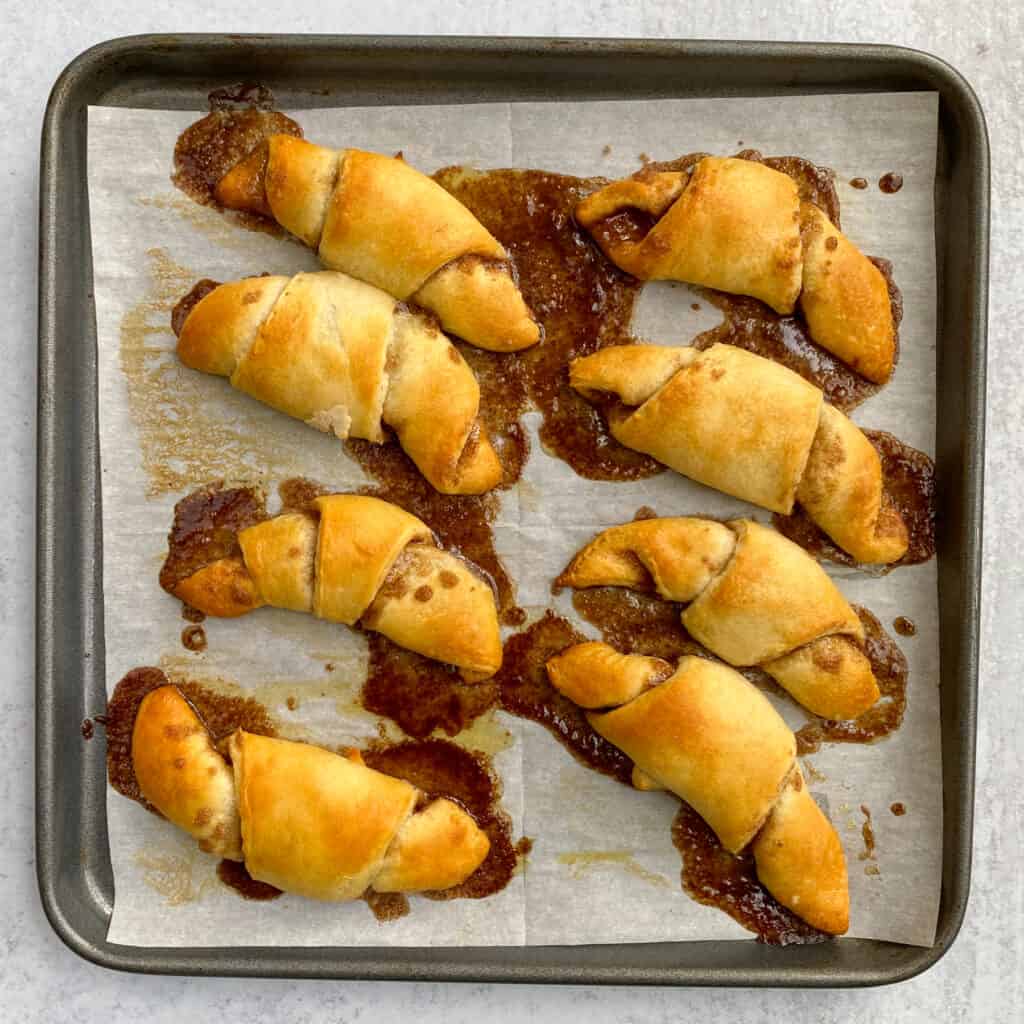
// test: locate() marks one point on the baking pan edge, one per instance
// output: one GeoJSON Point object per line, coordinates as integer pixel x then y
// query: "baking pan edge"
{"type": "Point", "coordinates": [89, 71]}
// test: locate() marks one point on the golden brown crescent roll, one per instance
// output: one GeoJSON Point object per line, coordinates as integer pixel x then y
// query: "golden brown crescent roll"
{"type": "Point", "coordinates": [731, 224]}
{"type": "Point", "coordinates": [612, 678]}
{"type": "Point", "coordinates": [841, 490]}
{"type": "Point", "coordinates": [845, 299]}
{"type": "Point", "coordinates": [302, 818]}
{"type": "Point", "coordinates": [346, 358]}
{"type": "Point", "coordinates": [739, 226]}
{"type": "Point", "coordinates": [182, 774]}
{"type": "Point", "coordinates": [710, 737]}
{"type": "Point", "coordinates": [749, 427]}
{"type": "Point", "coordinates": [754, 598]}
{"type": "Point", "coordinates": [359, 560]}
{"type": "Point", "coordinates": [796, 834]}
{"type": "Point", "coordinates": [328, 827]}
{"type": "Point", "coordinates": [438, 847]}
{"type": "Point", "coordinates": [380, 220]}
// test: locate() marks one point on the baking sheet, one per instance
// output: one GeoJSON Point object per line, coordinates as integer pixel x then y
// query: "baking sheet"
{"type": "Point", "coordinates": [163, 429]}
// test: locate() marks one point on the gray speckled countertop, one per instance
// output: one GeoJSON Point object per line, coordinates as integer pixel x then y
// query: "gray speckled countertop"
{"type": "Point", "coordinates": [979, 980]}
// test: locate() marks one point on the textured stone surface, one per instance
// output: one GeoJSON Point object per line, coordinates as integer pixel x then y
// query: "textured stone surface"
{"type": "Point", "coordinates": [980, 979]}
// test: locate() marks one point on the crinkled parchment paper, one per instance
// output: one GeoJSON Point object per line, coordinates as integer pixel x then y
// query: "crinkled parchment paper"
{"type": "Point", "coordinates": [603, 867]}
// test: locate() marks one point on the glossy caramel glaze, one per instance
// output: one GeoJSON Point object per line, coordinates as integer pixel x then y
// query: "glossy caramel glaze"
{"type": "Point", "coordinates": [235, 876]}
{"type": "Point", "coordinates": [890, 183]}
{"type": "Point", "coordinates": [638, 623]}
{"type": "Point", "coordinates": [815, 184]}
{"type": "Point", "coordinates": [524, 690]}
{"type": "Point", "coordinates": [205, 529]}
{"type": "Point", "coordinates": [419, 694]}
{"type": "Point", "coordinates": [581, 299]}
{"type": "Point", "coordinates": [298, 494]}
{"type": "Point", "coordinates": [583, 303]}
{"type": "Point", "coordinates": [751, 325]}
{"type": "Point", "coordinates": [207, 521]}
{"type": "Point", "coordinates": [908, 479]}
{"type": "Point", "coordinates": [717, 878]}
{"type": "Point", "coordinates": [387, 906]}
{"type": "Point", "coordinates": [209, 148]}
{"type": "Point", "coordinates": [423, 696]}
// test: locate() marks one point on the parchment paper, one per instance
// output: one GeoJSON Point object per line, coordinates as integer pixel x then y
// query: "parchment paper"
{"type": "Point", "coordinates": [603, 867]}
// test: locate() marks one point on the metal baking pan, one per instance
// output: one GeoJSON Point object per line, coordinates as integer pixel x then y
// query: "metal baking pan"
{"type": "Point", "coordinates": [163, 72]}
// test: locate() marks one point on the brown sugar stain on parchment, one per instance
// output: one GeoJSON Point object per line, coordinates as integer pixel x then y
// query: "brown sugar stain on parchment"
{"type": "Point", "coordinates": [585, 861]}
{"type": "Point", "coordinates": [172, 876]}
{"type": "Point", "coordinates": [217, 226]}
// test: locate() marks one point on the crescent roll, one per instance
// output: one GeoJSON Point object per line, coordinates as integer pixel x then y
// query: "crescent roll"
{"type": "Point", "coordinates": [740, 226]}
{"type": "Point", "coordinates": [302, 818]}
{"type": "Point", "coordinates": [710, 737]}
{"type": "Point", "coordinates": [361, 561]}
{"type": "Point", "coordinates": [183, 775]}
{"type": "Point", "coordinates": [348, 359]}
{"type": "Point", "coordinates": [753, 598]}
{"type": "Point", "coordinates": [751, 428]}
{"type": "Point", "coordinates": [382, 221]}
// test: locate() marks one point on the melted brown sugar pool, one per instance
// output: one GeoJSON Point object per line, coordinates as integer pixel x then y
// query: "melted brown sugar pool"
{"type": "Point", "coordinates": [240, 121]}
{"type": "Point", "coordinates": [524, 690]}
{"type": "Point", "coordinates": [751, 325]}
{"type": "Point", "coordinates": [206, 527]}
{"type": "Point", "coordinates": [221, 715]}
{"type": "Point", "coordinates": [436, 766]}
{"type": "Point", "coordinates": [423, 696]}
{"type": "Point", "coordinates": [709, 874]}
{"type": "Point", "coordinates": [581, 299]}
{"type": "Point", "coordinates": [717, 878]}
{"type": "Point", "coordinates": [583, 302]}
